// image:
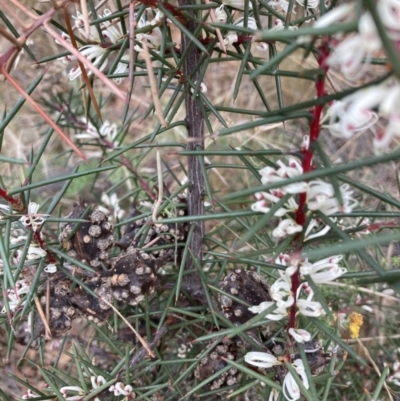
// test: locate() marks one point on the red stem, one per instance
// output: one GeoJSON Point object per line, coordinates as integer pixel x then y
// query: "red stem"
{"type": "Point", "coordinates": [7, 197]}
{"type": "Point", "coordinates": [307, 163]}
{"type": "Point", "coordinates": [42, 244]}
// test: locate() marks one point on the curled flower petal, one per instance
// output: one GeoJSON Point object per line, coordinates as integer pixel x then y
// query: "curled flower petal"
{"type": "Point", "coordinates": [291, 390]}
{"type": "Point", "coordinates": [300, 335]}
{"type": "Point", "coordinates": [286, 227]}
{"type": "Point", "coordinates": [278, 314]}
{"type": "Point", "coordinates": [50, 268]}
{"type": "Point", "coordinates": [261, 359]}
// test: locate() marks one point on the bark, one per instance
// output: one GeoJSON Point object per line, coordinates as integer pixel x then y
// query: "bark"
{"type": "Point", "coordinates": [195, 131]}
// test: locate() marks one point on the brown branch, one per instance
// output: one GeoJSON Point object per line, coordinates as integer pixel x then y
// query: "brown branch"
{"type": "Point", "coordinates": [195, 127]}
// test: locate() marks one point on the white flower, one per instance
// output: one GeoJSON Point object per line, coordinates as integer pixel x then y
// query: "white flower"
{"type": "Point", "coordinates": [300, 335]}
{"type": "Point", "coordinates": [310, 3]}
{"type": "Point", "coordinates": [81, 393]}
{"type": "Point", "coordinates": [320, 196]}
{"type": "Point", "coordinates": [158, 18]}
{"type": "Point", "coordinates": [182, 350]}
{"type": "Point", "coordinates": [238, 4]}
{"type": "Point", "coordinates": [32, 219]}
{"type": "Point", "coordinates": [325, 270]}
{"type": "Point", "coordinates": [231, 37]}
{"type": "Point", "coordinates": [262, 197]}
{"type": "Point", "coordinates": [389, 11]}
{"type": "Point", "coordinates": [122, 68]}
{"type": "Point", "coordinates": [273, 395]}
{"type": "Point", "coordinates": [344, 12]}
{"type": "Point", "coordinates": [281, 293]}
{"type": "Point", "coordinates": [96, 381]}
{"type": "Point", "coordinates": [278, 314]}
{"type": "Point", "coordinates": [113, 31]}
{"type": "Point", "coordinates": [34, 252]}
{"type": "Point", "coordinates": [112, 202]}
{"type": "Point", "coordinates": [202, 88]}
{"type": "Point", "coordinates": [308, 307]}
{"type": "Point", "coordinates": [79, 24]}
{"type": "Point", "coordinates": [153, 38]}
{"type": "Point", "coordinates": [314, 223]}
{"type": "Point", "coordinates": [5, 208]}
{"type": "Point", "coordinates": [346, 118]}
{"type": "Point", "coordinates": [282, 259]}
{"type": "Point", "coordinates": [14, 295]}
{"type": "Point", "coordinates": [389, 108]}
{"type": "Point", "coordinates": [220, 14]}
{"type": "Point", "coordinates": [293, 169]}
{"type": "Point", "coordinates": [281, 5]}
{"type": "Point", "coordinates": [94, 53]}
{"type": "Point", "coordinates": [286, 227]}
{"type": "Point", "coordinates": [305, 143]}
{"type": "Point", "coordinates": [107, 133]}
{"type": "Point", "coordinates": [353, 54]}
{"type": "Point", "coordinates": [261, 359]}
{"type": "Point", "coordinates": [30, 394]}
{"type": "Point", "coordinates": [50, 268]}
{"type": "Point", "coordinates": [291, 390]}
{"type": "Point", "coordinates": [120, 389]}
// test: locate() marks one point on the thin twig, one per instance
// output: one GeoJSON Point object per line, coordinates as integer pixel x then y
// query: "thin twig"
{"type": "Point", "coordinates": [141, 353]}
{"type": "Point", "coordinates": [10, 37]}
{"type": "Point", "coordinates": [153, 84]}
{"type": "Point", "coordinates": [26, 10]}
{"type": "Point", "coordinates": [43, 317]}
{"type": "Point", "coordinates": [364, 348]}
{"type": "Point", "coordinates": [131, 30]}
{"type": "Point", "coordinates": [363, 289]}
{"type": "Point", "coordinates": [217, 30]}
{"type": "Point", "coordinates": [82, 68]}
{"type": "Point", "coordinates": [374, 339]}
{"type": "Point", "coordinates": [11, 11]}
{"type": "Point", "coordinates": [160, 187]}
{"type": "Point", "coordinates": [85, 16]}
{"type": "Point", "coordinates": [140, 338]}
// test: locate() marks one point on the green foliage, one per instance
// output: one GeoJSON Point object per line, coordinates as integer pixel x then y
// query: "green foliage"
{"type": "Point", "coordinates": [190, 150]}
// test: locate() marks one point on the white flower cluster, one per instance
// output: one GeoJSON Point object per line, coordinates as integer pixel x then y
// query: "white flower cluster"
{"type": "Point", "coordinates": [232, 36]}
{"type": "Point", "coordinates": [352, 55]}
{"type": "Point", "coordinates": [395, 377]}
{"type": "Point", "coordinates": [320, 196]}
{"type": "Point", "coordinates": [96, 381]}
{"type": "Point", "coordinates": [120, 389]}
{"type": "Point", "coordinates": [154, 37]}
{"type": "Point", "coordinates": [107, 132]}
{"type": "Point", "coordinates": [279, 5]}
{"type": "Point", "coordinates": [15, 295]}
{"type": "Point", "coordinates": [291, 390]}
{"type": "Point", "coordinates": [321, 272]}
{"type": "Point", "coordinates": [112, 203]}
{"type": "Point", "coordinates": [33, 220]}
{"type": "Point", "coordinates": [29, 395]}
{"type": "Point", "coordinates": [96, 52]}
